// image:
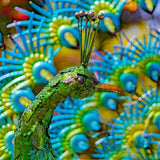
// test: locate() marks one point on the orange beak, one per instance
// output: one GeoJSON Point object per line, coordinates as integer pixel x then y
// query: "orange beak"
{"type": "Point", "coordinates": [101, 87]}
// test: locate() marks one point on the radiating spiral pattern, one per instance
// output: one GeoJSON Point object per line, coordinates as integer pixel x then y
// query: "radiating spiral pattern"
{"type": "Point", "coordinates": [6, 140]}
{"type": "Point", "coordinates": [133, 135]}
{"type": "Point", "coordinates": [106, 125]}
{"type": "Point", "coordinates": [22, 67]}
{"type": "Point", "coordinates": [55, 28]}
{"type": "Point", "coordinates": [71, 126]}
{"type": "Point", "coordinates": [118, 69]}
{"type": "Point", "coordinates": [112, 11]}
{"type": "Point", "coordinates": [126, 64]}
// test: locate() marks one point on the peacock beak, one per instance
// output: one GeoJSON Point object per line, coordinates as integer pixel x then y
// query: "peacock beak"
{"type": "Point", "coordinates": [101, 87]}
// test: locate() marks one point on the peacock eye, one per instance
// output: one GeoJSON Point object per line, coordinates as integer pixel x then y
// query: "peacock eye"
{"type": "Point", "coordinates": [81, 80]}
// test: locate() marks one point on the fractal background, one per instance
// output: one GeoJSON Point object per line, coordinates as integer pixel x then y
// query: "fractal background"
{"type": "Point", "coordinates": [39, 38]}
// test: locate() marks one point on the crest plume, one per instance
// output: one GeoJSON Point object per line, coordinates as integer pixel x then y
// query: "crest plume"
{"type": "Point", "coordinates": [86, 43]}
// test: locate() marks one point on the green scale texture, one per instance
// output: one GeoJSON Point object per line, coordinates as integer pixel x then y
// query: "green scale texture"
{"type": "Point", "coordinates": [31, 134]}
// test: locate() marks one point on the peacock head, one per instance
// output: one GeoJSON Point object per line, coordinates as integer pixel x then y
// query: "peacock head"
{"type": "Point", "coordinates": [85, 82]}
{"type": "Point", "coordinates": [80, 81]}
